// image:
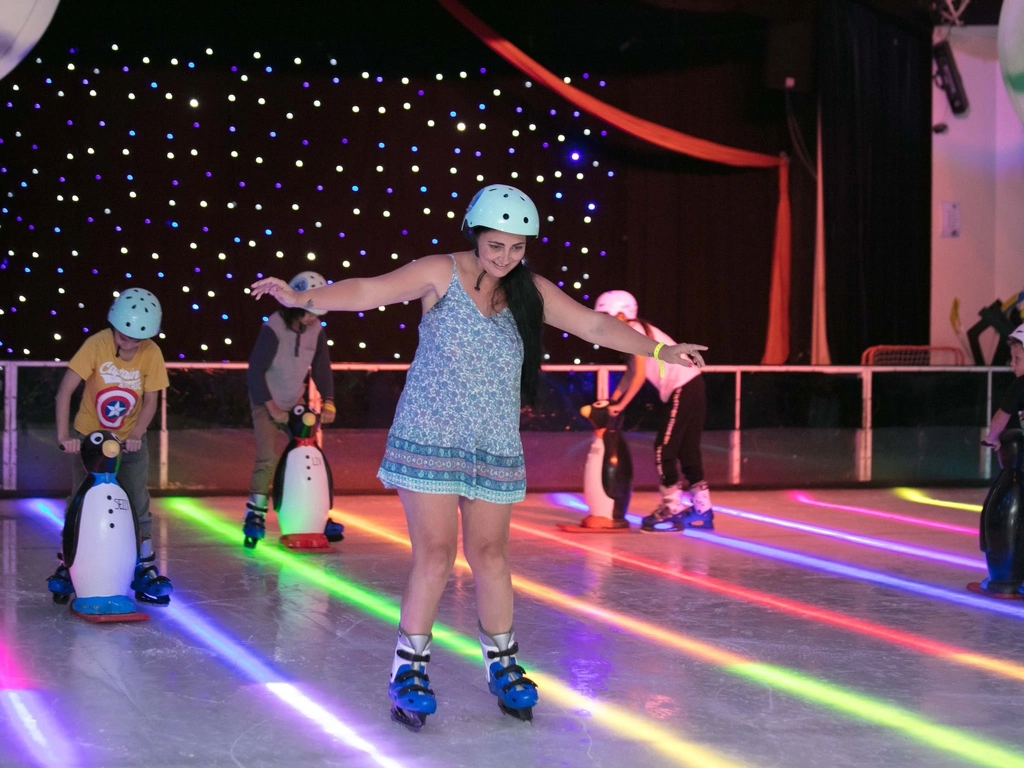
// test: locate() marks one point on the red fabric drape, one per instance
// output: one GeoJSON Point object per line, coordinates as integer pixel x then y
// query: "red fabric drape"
{"type": "Point", "coordinates": [777, 346]}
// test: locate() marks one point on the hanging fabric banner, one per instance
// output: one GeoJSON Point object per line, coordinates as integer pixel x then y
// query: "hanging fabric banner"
{"type": "Point", "coordinates": [777, 344]}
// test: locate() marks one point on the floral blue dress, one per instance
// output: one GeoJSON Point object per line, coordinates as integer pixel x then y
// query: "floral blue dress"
{"type": "Point", "coordinates": [456, 429]}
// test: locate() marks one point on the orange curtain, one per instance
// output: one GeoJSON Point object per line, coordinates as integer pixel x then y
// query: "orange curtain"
{"type": "Point", "coordinates": [777, 344]}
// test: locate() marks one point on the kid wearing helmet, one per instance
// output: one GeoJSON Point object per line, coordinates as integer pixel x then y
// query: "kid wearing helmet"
{"type": "Point", "coordinates": [454, 445]}
{"type": "Point", "coordinates": [123, 370]}
{"type": "Point", "coordinates": [677, 444]}
{"type": "Point", "coordinates": [1008, 415]}
{"type": "Point", "coordinates": [291, 344]}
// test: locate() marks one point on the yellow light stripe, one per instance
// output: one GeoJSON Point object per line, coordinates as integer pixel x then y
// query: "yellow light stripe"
{"type": "Point", "coordinates": [919, 497]}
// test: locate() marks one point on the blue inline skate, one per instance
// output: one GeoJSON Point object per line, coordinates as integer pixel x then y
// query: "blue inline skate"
{"type": "Point", "coordinates": [60, 583]}
{"type": "Point", "coordinates": [149, 586]}
{"type": "Point", "coordinates": [505, 678]}
{"type": "Point", "coordinates": [255, 526]}
{"type": "Point", "coordinates": [409, 689]}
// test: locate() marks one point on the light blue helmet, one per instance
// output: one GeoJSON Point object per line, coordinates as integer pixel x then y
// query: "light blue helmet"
{"type": "Point", "coordinates": [504, 208]}
{"type": "Point", "coordinates": [308, 280]}
{"type": "Point", "coordinates": [136, 313]}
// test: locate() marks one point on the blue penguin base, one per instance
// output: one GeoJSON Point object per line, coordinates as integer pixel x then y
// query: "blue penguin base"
{"type": "Point", "coordinates": [106, 609]}
{"type": "Point", "coordinates": [999, 590]}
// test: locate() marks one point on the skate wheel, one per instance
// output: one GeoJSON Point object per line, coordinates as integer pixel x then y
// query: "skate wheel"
{"type": "Point", "coordinates": [525, 714]}
{"type": "Point", "coordinates": [142, 597]}
{"type": "Point", "coordinates": [250, 542]}
{"type": "Point", "coordinates": [60, 599]}
{"type": "Point", "coordinates": [411, 720]}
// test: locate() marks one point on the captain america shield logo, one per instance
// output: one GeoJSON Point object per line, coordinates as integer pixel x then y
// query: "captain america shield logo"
{"type": "Point", "coordinates": [113, 405]}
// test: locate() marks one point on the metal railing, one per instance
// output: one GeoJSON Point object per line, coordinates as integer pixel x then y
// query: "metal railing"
{"type": "Point", "coordinates": [864, 440]}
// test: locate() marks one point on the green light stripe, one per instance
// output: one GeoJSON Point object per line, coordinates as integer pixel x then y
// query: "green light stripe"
{"type": "Point", "coordinates": [942, 737]}
{"type": "Point", "coordinates": [945, 738]}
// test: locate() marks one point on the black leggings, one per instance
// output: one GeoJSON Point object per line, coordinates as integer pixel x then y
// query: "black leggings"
{"type": "Point", "coordinates": [678, 439]}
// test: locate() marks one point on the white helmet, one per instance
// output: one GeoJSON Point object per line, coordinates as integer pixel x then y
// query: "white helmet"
{"type": "Point", "coordinates": [1018, 333]}
{"type": "Point", "coordinates": [502, 208]}
{"type": "Point", "coordinates": [136, 313]}
{"type": "Point", "coordinates": [305, 281]}
{"type": "Point", "coordinates": [614, 302]}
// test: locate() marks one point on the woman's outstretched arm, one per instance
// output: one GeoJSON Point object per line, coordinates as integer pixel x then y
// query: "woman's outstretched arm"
{"type": "Point", "coordinates": [416, 280]}
{"type": "Point", "coordinates": [605, 330]}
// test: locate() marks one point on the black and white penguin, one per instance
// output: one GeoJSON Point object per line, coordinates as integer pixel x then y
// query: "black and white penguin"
{"type": "Point", "coordinates": [1001, 528]}
{"type": "Point", "coordinates": [101, 536]}
{"type": "Point", "coordinates": [607, 475]}
{"type": "Point", "coordinates": [303, 490]}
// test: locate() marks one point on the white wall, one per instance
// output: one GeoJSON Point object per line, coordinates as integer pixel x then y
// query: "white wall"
{"type": "Point", "coordinates": [979, 164]}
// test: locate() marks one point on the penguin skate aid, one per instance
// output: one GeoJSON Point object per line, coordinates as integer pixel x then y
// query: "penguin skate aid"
{"type": "Point", "coordinates": [303, 489]}
{"type": "Point", "coordinates": [122, 400]}
{"type": "Point", "coordinates": [100, 546]}
{"type": "Point", "coordinates": [291, 346]}
{"type": "Point", "coordinates": [685, 501]}
{"type": "Point", "coordinates": [1001, 527]}
{"type": "Point", "coordinates": [472, 474]}
{"type": "Point", "coordinates": [607, 475]}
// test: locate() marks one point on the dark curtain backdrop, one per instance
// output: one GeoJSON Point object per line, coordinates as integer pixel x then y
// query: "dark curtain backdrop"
{"type": "Point", "coordinates": [698, 236]}
{"type": "Point", "coordinates": [875, 86]}
{"type": "Point", "coordinates": [693, 240]}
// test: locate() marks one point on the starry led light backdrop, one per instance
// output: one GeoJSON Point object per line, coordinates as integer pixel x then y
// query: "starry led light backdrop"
{"type": "Point", "coordinates": [191, 175]}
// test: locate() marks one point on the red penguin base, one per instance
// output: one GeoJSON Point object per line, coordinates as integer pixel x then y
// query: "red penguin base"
{"type": "Point", "coordinates": [977, 588]}
{"type": "Point", "coordinates": [595, 524]}
{"type": "Point", "coordinates": [306, 542]}
{"type": "Point", "coordinates": [109, 618]}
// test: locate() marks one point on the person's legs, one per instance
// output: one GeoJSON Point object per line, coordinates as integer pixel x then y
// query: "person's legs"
{"type": "Point", "coordinates": [266, 430]}
{"type": "Point", "coordinates": [693, 401]}
{"type": "Point", "coordinates": [133, 477]}
{"type": "Point", "coordinates": [485, 536]}
{"type": "Point", "coordinates": [60, 582]}
{"type": "Point", "coordinates": [434, 534]}
{"type": "Point", "coordinates": [432, 520]}
{"type": "Point", "coordinates": [666, 449]}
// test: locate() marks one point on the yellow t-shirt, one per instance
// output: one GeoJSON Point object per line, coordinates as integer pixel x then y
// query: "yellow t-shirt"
{"type": "Point", "coordinates": [113, 387]}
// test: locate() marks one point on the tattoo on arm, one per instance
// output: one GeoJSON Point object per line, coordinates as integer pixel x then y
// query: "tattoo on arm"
{"type": "Point", "coordinates": [309, 304]}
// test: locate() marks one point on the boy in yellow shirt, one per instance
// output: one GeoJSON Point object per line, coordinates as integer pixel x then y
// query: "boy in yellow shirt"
{"type": "Point", "coordinates": [124, 372]}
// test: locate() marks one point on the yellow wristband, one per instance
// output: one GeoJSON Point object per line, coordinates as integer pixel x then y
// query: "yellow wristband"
{"type": "Point", "coordinates": [661, 363]}
{"type": "Point", "coordinates": [329, 407]}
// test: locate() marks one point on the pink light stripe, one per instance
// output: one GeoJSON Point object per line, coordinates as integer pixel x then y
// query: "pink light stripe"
{"type": "Point", "coordinates": [864, 541]}
{"type": "Point", "coordinates": [805, 498]}
{"type": "Point", "coordinates": [11, 676]}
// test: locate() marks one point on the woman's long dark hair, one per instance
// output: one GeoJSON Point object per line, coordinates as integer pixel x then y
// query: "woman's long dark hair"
{"type": "Point", "coordinates": [524, 299]}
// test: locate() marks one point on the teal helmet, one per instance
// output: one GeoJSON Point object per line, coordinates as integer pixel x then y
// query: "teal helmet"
{"type": "Point", "coordinates": [136, 313]}
{"type": "Point", "coordinates": [503, 208]}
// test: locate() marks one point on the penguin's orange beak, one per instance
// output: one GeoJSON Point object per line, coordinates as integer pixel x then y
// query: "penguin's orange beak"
{"type": "Point", "coordinates": [111, 448]}
{"type": "Point", "coordinates": [309, 418]}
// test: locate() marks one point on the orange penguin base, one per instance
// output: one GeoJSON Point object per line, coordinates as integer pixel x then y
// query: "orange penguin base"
{"type": "Point", "coordinates": [595, 524]}
{"type": "Point", "coordinates": [109, 618]}
{"type": "Point", "coordinates": [306, 542]}
{"type": "Point", "coordinates": [977, 588]}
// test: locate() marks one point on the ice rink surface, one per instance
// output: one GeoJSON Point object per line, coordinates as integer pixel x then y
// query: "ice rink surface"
{"type": "Point", "coordinates": [819, 628]}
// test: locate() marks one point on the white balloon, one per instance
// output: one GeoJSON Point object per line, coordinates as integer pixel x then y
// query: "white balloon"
{"type": "Point", "coordinates": [1010, 44]}
{"type": "Point", "coordinates": [22, 23]}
